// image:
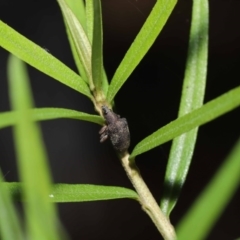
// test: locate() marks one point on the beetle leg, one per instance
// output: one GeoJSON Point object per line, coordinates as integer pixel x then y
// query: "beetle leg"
{"type": "Point", "coordinates": [103, 137]}
{"type": "Point", "coordinates": [103, 129]}
{"type": "Point", "coordinates": [103, 133]}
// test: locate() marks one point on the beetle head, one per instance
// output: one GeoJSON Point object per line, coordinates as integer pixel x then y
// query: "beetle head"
{"type": "Point", "coordinates": [109, 115]}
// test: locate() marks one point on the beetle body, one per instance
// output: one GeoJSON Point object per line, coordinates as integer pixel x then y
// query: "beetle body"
{"type": "Point", "coordinates": [116, 129]}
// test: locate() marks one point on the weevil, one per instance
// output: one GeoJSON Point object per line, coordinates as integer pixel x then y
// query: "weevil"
{"type": "Point", "coordinates": [116, 129]}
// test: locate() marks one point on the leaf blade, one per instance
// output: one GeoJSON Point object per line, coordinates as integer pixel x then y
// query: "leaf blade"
{"type": "Point", "coordinates": [213, 200]}
{"type": "Point", "coordinates": [37, 57]}
{"type": "Point", "coordinates": [40, 214]}
{"type": "Point", "coordinates": [192, 98]}
{"type": "Point", "coordinates": [90, 19]}
{"type": "Point", "coordinates": [40, 114]}
{"type": "Point", "coordinates": [209, 111]}
{"type": "Point", "coordinates": [62, 192]}
{"type": "Point", "coordinates": [97, 52]}
{"type": "Point", "coordinates": [144, 40]}
{"type": "Point", "coordinates": [78, 9]}
{"type": "Point", "coordinates": [80, 40]}
{"type": "Point", "coordinates": [9, 221]}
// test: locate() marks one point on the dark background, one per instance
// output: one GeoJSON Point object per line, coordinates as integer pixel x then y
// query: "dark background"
{"type": "Point", "coordinates": [149, 100]}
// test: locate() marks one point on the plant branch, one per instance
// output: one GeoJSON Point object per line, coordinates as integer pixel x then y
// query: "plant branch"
{"type": "Point", "coordinates": [149, 205]}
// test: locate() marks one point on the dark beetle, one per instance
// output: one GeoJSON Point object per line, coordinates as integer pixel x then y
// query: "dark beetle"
{"type": "Point", "coordinates": [116, 128]}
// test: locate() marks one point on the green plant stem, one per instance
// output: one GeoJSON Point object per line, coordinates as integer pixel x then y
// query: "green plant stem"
{"type": "Point", "coordinates": [146, 199]}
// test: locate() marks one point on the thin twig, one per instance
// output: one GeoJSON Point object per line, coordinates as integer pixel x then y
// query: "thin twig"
{"type": "Point", "coordinates": [146, 199]}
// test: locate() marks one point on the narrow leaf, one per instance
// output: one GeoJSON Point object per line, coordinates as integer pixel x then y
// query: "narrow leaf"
{"type": "Point", "coordinates": [76, 58]}
{"type": "Point", "coordinates": [94, 31]}
{"type": "Point", "coordinates": [78, 9]}
{"type": "Point", "coordinates": [40, 59]}
{"type": "Point", "coordinates": [33, 170]}
{"type": "Point", "coordinates": [80, 40]}
{"type": "Point", "coordinates": [77, 192]}
{"type": "Point", "coordinates": [10, 227]}
{"type": "Point", "coordinates": [97, 52]}
{"type": "Point", "coordinates": [40, 114]}
{"type": "Point", "coordinates": [206, 113]}
{"type": "Point", "coordinates": [213, 201]}
{"type": "Point", "coordinates": [192, 98]}
{"type": "Point", "coordinates": [144, 40]}
{"type": "Point", "coordinates": [90, 19]}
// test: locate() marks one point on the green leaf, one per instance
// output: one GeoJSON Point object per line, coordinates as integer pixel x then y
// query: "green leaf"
{"type": "Point", "coordinates": [10, 228]}
{"type": "Point", "coordinates": [144, 40]}
{"type": "Point", "coordinates": [105, 84]}
{"type": "Point", "coordinates": [97, 52]}
{"type": "Point", "coordinates": [208, 207]}
{"type": "Point", "coordinates": [94, 31]}
{"type": "Point", "coordinates": [39, 114]}
{"type": "Point", "coordinates": [40, 59]}
{"type": "Point", "coordinates": [79, 39]}
{"type": "Point", "coordinates": [90, 19]}
{"type": "Point", "coordinates": [206, 113]}
{"type": "Point", "coordinates": [77, 192]}
{"type": "Point", "coordinates": [78, 9]}
{"type": "Point", "coordinates": [32, 164]}
{"type": "Point", "coordinates": [192, 98]}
